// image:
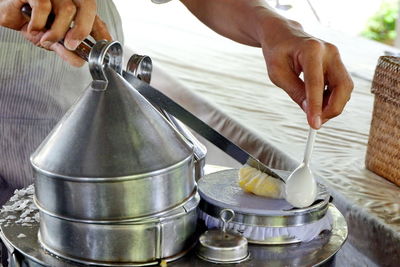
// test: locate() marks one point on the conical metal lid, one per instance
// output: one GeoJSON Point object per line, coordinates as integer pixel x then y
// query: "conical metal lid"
{"type": "Point", "coordinates": [109, 133]}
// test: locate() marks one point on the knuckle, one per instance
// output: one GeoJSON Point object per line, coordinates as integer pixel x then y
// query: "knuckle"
{"type": "Point", "coordinates": [80, 31]}
{"type": "Point", "coordinates": [295, 24]}
{"type": "Point", "coordinates": [68, 8]}
{"type": "Point", "coordinates": [332, 48]}
{"type": "Point", "coordinates": [273, 74]}
{"type": "Point", "coordinates": [315, 44]}
{"type": "Point", "coordinates": [42, 5]}
{"type": "Point", "coordinates": [349, 93]}
{"type": "Point", "coordinates": [350, 85]}
{"type": "Point", "coordinates": [333, 51]}
{"type": "Point", "coordinates": [335, 110]}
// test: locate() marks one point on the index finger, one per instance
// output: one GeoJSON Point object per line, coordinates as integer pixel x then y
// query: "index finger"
{"type": "Point", "coordinates": [314, 86]}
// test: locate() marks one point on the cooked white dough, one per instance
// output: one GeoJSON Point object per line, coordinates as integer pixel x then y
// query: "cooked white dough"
{"type": "Point", "coordinates": [255, 181]}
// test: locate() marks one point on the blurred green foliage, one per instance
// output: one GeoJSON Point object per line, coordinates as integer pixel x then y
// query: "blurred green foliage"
{"type": "Point", "coordinates": [382, 26]}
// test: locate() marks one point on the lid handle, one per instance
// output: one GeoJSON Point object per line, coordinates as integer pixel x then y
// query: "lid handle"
{"type": "Point", "coordinates": [141, 67]}
{"type": "Point", "coordinates": [226, 216]}
{"type": "Point", "coordinates": [104, 54]}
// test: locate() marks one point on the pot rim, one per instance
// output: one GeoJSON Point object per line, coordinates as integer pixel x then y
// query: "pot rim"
{"type": "Point", "coordinates": [181, 209]}
{"type": "Point", "coordinates": [113, 179]}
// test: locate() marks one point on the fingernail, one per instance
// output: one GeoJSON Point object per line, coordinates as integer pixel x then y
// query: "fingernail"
{"type": "Point", "coordinates": [47, 44]}
{"type": "Point", "coordinates": [317, 121]}
{"type": "Point", "coordinates": [72, 44]}
{"type": "Point", "coordinates": [304, 105]}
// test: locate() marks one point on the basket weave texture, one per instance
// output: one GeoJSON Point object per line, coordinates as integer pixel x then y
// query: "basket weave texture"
{"type": "Point", "coordinates": [383, 153]}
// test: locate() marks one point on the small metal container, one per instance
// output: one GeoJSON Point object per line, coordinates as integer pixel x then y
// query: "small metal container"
{"type": "Point", "coordinates": [144, 240]}
{"type": "Point", "coordinates": [219, 246]}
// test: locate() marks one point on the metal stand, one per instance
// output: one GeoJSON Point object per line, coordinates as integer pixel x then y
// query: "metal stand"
{"type": "Point", "coordinates": [26, 251]}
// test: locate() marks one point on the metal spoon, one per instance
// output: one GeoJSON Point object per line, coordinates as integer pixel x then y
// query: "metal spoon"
{"type": "Point", "coordinates": [301, 188]}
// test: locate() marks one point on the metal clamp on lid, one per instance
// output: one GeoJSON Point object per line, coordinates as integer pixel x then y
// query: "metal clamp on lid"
{"type": "Point", "coordinates": [104, 54]}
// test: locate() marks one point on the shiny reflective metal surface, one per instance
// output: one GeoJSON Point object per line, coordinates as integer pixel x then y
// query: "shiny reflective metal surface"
{"type": "Point", "coordinates": [220, 246]}
{"type": "Point", "coordinates": [140, 241]}
{"type": "Point", "coordinates": [199, 150]}
{"type": "Point", "coordinates": [141, 67]}
{"type": "Point", "coordinates": [160, 1]}
{"type": "Point", "coordinates": [113, 155]}
{"type": "Point", "coordinates": [112, 51]}
{"type": "Point", "coordinates": [273, 213]}
{"type": "Point", "coordinates": [117, 198]}
{"type": "Point", "coordinates": [318, 252]}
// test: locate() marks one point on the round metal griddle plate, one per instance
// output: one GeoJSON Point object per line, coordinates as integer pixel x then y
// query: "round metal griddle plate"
{"type": "Point", "coordinates": [220, 190]}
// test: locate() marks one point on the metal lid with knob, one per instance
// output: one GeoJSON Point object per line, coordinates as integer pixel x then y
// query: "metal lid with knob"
{"type": "Point", "coordinates": [220, 246]}
{"type": "Point", "coordinates": [112, 130]}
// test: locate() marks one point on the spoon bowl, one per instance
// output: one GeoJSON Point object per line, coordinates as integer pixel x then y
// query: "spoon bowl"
{"type": "Point", "coordinates": [301, 187]}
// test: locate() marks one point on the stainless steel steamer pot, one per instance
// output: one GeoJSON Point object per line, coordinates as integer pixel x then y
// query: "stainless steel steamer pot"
{"type": "Point", "coordinates": [113, 156]}
{"type": "Point", "coordinates": [115, 198]}
{"type": "Point", "coordinates": [143, 240]}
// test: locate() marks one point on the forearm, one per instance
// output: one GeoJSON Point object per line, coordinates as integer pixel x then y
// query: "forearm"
{"type": "Point", "coordinates": [289, 52]}
{"type": "Point", "coordinates": [250, 22]}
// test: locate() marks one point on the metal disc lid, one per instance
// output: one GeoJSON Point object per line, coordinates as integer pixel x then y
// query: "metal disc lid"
{"type": "Point", "coordinates": [110, 131]}
{"type": "Point", "coordinates": [221, 190]}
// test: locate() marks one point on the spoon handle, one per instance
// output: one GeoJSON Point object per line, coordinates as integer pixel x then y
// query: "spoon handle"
{"type": "Point", "coordinates": [309, 146]}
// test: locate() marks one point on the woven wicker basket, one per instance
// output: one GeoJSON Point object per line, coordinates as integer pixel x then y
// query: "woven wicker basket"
{"type": "Point", "coordinates": [383, 153]}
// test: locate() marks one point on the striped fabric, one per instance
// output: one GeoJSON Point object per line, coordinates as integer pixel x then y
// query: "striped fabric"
{"type": "Point", "coordinates": [36, 89]}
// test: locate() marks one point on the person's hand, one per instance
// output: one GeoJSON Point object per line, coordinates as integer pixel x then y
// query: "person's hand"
{"type": "Point", "coordinates": [81, 12]}
{"type": "Point", "coordinates": [326, 85]}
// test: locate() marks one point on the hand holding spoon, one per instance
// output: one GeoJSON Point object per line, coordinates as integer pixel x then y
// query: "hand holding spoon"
{"type": "Point", "coordinates": [301, 188]}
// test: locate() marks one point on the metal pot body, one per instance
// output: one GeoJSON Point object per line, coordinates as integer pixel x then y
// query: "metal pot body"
{"type": "Point", "coordinates": [140, 241]}
{"type": "Point", "coordinates": [115, 198]}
